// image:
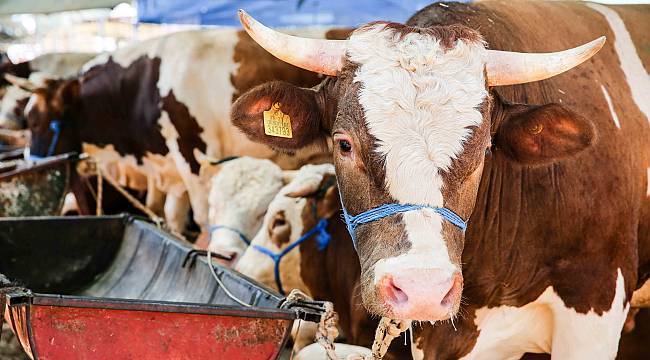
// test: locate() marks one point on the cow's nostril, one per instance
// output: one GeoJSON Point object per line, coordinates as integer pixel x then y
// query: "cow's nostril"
{"type": "Point", "coordinates": [392, 292]}
{"type": "Point", "coordinates": [449, 298]}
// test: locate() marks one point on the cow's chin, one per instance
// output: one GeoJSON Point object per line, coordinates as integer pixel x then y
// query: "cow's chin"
{"type": "Point", "coordinates": [388, 300]}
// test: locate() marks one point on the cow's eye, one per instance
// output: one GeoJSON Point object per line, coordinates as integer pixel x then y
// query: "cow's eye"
{"type": "Point", "coordinates": [345, 146]}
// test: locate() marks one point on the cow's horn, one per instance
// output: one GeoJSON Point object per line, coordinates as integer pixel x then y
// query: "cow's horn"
{"type": "Point", "coordinates": [317, 55]}
{"type": "Point", "coordinates": [21, 82]}
{"type": "Point", "coordinates": [508, 68]}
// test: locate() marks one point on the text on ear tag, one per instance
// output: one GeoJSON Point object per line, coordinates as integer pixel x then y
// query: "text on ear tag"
{"type": "Point", "coordinates": [277, 123]}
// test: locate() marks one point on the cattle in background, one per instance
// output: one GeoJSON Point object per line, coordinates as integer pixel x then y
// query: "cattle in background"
{"type": "Point", "coordinates": [559, 234]}
{"type": "Point", "coordinates": [14, 95]}
{"type": "Point", "coordinates": [160, 104]}
{"type": "Point", "coordinates": [239, 196]}
{"type": "Point", "coordinates": [324, 266]}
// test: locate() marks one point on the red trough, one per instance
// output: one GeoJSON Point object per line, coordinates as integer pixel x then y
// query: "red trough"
{"type": "Point", "coordinates": [132, 291]}
{"type": "Point", "coordinates": [55, 327]}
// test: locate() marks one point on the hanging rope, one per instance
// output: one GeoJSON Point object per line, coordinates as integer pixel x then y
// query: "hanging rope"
{"type": "Point", "coordinates": [95, 169]}
{"type": "Point", "coordinates": [387, 330]}
{"type": "Point", "coordinates": [132, 199]}
{"type": "Point", "coordinates": [328, 331]}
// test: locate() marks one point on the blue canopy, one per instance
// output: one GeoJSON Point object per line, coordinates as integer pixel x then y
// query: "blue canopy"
{"type": "Point", "coordinates": [278, 13]}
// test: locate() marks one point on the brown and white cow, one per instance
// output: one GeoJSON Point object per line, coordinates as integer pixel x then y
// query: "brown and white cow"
{"type": "Point", "coordinates": [330, 272]}
{"type": "Point", "coordinates": [558, 237]}
{"type": "Point", "coordinates": [156, 105]}
{"type": "Point", "coordinates": [239, 196]}
{"type": "Point", "coordinates": [16, 90]}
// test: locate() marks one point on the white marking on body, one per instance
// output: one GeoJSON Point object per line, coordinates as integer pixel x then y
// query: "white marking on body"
{"type": "Point", "coordinates": [611, 106]}
{"type": "Point", "coordinates": [416, 352]}
{"type": "Point", "coordinates": [636, 75]}
{"type": "Point", "coordinates": [259, 266]}
{"type": "Point", "coordinates": [194, 184]}
{"type": "Point", "coordinates": [30, 104]}
{"type": "Point", "coordinates": [419, 101]}
{"type": "Point", "coordinates": [546, 325]}
{"type": "Point", "coordinates": [239, 196]}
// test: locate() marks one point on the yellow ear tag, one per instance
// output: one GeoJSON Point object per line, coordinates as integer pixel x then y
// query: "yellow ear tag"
{"type": "Point", "coordinates": [277, 123]}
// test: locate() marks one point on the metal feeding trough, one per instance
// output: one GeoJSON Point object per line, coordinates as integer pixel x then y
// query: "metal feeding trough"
{"type": "Point", "coordinates": [34, 188]}
{"type": "Point", "coordinates": [129, 293]}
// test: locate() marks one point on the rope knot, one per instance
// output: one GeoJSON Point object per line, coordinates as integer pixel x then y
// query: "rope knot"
{"type": "Point", "coordinates": [323, 237]}
{"type": "Point", "coordinates": [55, 125]}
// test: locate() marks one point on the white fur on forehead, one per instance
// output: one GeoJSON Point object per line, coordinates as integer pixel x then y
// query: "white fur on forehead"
{"type": "Point", "coordinates": [245, 185]}
{"type": "Point", "coordinates": [307, 179]}
{"type": "Point", "coordinates": [419, 100]}
{"type": "Point", "coordinates": [244, 173]}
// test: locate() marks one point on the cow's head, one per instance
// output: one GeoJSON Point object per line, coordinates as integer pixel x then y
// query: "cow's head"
{"type": "Point", "coordinates": [411, 115]}
{"type": "Point", "coordinates": [239, 196]}
{"type": "Point", "coordinates": [298, 207]}
{"type": "Point", "coordinates": [52, 102]}
{"type": "Point", "coordinates": [12, 106]}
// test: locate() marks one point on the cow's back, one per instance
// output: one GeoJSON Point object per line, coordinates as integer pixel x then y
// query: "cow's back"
{"type": "Point", "coordinates": [197, 76]}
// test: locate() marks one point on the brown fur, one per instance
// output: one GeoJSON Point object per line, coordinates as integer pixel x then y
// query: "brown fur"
{"type": "Point", "coordinates": [447, 35]}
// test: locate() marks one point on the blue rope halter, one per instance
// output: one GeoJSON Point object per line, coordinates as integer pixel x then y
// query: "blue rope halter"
{"type": "Point", "coordinates": [243, 237]}
{"type": "Point", "coordinates": [382, 211]}
{"type": "Point", "coordinates": [323, 238]}
{"type": "Point", "coordinates": [55, 126]}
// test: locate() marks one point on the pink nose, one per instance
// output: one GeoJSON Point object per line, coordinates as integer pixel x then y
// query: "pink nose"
{"type": "Point", "coordinates": [421, 294]}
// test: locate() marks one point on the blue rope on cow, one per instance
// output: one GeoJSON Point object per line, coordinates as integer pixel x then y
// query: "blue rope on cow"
{"type": "Point", "coordinates": [323, 239]}
{"type": "Point", "coordinates": [243, 237]}
{"type": "Point", "coordinates": [386, 210]}
{"type": "Point", "coordinates": [55, 126]}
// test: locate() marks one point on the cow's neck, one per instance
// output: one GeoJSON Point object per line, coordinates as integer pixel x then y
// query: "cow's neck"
{"type": "Point", "coordinates": [332, 273]}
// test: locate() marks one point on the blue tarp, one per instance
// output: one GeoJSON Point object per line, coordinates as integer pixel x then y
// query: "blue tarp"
{"type": "Point", "coordinates": [278, 13]}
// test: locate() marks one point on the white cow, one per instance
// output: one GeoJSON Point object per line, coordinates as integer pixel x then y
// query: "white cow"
{"type": "Point", "coordinates": [283, 226]}
{"type": "Point", "coordinates": [239, 196]}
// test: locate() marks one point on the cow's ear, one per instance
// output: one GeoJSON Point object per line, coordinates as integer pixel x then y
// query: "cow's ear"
{"type": "Point", "coordinates": [532, 134]}
{"type": "Point", "coordinates": [280, 115]}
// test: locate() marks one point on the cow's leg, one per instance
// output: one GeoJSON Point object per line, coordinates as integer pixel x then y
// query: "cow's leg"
{"type": "Point", "coordinates": [155, 200]}
{"type": "Point", "coordinates": [177, 206]}
{"type": "Point", "coordinates": [589, 336]}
